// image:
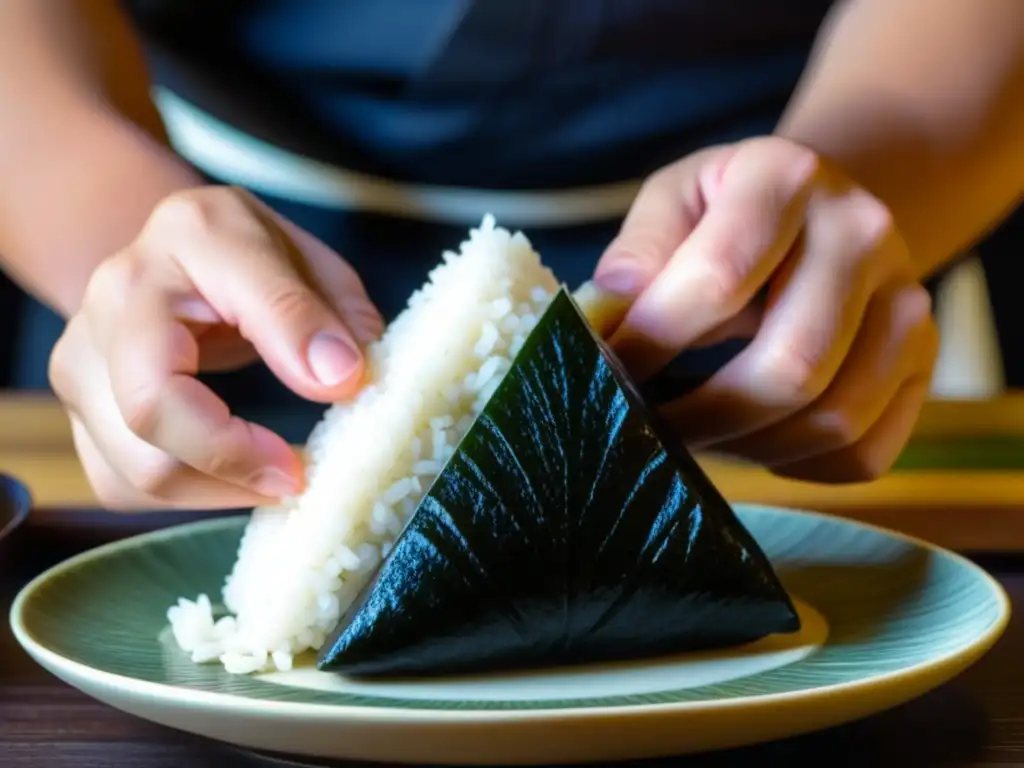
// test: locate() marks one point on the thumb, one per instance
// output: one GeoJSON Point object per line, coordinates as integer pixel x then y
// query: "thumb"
{"type": "Point", "coordinates": [666, 210]}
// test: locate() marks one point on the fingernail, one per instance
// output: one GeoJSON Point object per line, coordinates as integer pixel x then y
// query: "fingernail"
{"type": "Point", "coordinates": [331, 359]}
{"type": "Point", "coordinates": [622, 279]}
{"type": "Point", "coordinates": [197, 310]}
{"type": "Point", "coordinates": [275, 483]}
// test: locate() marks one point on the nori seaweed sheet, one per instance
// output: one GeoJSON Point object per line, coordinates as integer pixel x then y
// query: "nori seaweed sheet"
{"type": "Point", "coordinates": [567, 528]}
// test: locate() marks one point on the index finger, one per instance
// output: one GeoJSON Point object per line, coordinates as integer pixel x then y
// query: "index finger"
{"type": "Point", "coordinates": [244, 266]}
{"type": "Point", "coordinates": [152, 363]}
{"type": "Point", "coordinates": [746, 232]}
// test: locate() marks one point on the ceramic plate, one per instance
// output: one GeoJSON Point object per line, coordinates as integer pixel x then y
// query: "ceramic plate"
{"type": "Point", "coordinates": [15, 504]}
{"type": "Point", "coordinates": [886, 618]}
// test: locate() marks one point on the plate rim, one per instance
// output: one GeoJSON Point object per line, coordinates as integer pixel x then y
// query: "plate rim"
{"type": "Point", "coordinates": [64, 667]}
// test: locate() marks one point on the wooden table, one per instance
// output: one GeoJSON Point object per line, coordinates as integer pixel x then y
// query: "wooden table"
{"type": "Point", "coordinates": [976, 720]}
{"type": "Point", "coordinates": [980, 509]}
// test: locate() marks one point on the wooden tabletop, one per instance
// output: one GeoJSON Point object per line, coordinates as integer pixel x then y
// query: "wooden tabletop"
{"type": "Point", "coordinates": [980, 509]}
{"type": "Point", "coordinates": [976, 720]}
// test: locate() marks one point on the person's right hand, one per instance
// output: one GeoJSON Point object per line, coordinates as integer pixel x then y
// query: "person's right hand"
{"type": "Point", "coordinates": [214, 280]}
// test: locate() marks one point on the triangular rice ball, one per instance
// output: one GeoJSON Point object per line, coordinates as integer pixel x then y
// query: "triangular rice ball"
{"type": "Point", "coordinates": [566, 528]}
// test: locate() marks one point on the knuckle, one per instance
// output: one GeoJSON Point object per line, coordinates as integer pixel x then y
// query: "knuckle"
{"type": "Point", "coordinates": [291, 302]}
{"type": "Point", "coordinates": [229, 456]}
{"type": "Point", "coordinates": [152, 474]}
{"type": "Point", "coordinates": [225, 462]}
{"type": "Point", "coordinates": [732, 257]}
{"type": "Point", "coordinates": [913, 323]}
{"type": "Point", "coordinates": [725, 272]}
{"type": "Point", "coordinates": [141, 412]}
{"type": "Point", "coordinates": [58, 369]}
{"type": "Point", "coordinates": [365, 322]}
{"type": "Point", "coordinates": [150, 481]}
{"type": "Point", "coordinates": [840, 427]}
{"type": "Point", "coordinates": [112, 279]}
{"type": "Point", "coordinates": [871, 224]}
{"type": "Point", "coordinates": [195, 211]}
{"type": "Point", "coordinates": [222, 464]}
{"type": "Point", "coordinates": [792, 375]}
{"type": "Point", "coordinates": [68, 366]}
{"type": "Point", "coordinates": [109, 490]}
{"type": "Point", "coordinates": [866, 465]}
{"type": "Point", "coordinates": [190, 211]}
{"type": "Point", "coordinates": [914, 307]}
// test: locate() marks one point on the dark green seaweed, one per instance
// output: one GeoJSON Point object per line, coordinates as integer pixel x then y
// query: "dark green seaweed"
{"type": "Point", "coordinates": [566, 528]}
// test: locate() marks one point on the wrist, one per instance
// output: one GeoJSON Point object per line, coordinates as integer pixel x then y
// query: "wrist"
{"type": "Point", "coordinates": [76, 202]}
{"type": "Point", "coordinates": [890, 163]}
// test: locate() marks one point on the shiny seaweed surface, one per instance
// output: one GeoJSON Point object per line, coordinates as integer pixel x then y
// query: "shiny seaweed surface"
{"type": "Point", "coordinates": [566, 528]}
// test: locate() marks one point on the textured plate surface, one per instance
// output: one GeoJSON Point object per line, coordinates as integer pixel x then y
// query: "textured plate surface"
{"type": "Point", "coordinates": [886, 618]}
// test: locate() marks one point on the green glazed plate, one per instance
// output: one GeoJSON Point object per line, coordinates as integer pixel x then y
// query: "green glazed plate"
{"type": "Point", "coordinates": [886, 618]}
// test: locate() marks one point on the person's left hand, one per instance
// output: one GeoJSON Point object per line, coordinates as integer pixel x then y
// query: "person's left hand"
{"type": "Point", "coordinates": [843, 348]}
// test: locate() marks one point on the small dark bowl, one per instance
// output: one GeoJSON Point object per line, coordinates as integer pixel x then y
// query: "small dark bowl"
{"type": "Point", "coordinates": [15, 504]}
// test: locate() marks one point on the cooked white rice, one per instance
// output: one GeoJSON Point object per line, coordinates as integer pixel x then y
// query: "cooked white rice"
{"type": "Point", "coordinates": [300, 565]}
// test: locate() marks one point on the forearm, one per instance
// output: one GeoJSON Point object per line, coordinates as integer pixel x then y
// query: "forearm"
{"type": "Point", "coordinates": [83, 157]}
{"type": "Point", "coordinates": [922, 102]}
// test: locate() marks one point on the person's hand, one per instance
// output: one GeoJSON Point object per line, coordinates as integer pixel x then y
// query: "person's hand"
{"type": "Point", "coordinates": [842, 349]}
{"type": "Point", "coordinates": [214, 280]}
